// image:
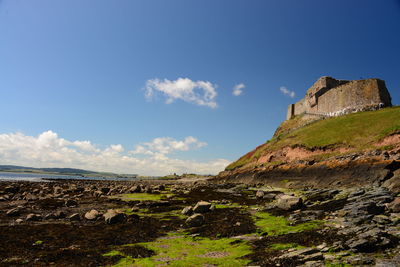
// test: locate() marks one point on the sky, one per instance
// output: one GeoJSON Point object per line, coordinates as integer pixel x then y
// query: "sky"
{"type": "Point", "coordinates": [155, 87]}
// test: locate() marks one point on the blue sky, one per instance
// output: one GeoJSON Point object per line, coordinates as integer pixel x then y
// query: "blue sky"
{"type": "Point", "coordinates": [74, 71]}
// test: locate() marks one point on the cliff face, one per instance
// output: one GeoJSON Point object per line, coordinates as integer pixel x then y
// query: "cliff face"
{"type": "Point", "coordinates": [360, 148]}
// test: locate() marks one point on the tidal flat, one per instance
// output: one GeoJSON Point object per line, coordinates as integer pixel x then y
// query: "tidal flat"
{"type": "Point", "coordinates": [195, 223]}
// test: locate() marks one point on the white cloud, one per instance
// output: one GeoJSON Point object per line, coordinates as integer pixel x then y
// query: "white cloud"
{"type": "Point", "coordinates": [166, 145]}
{"type": "Point", "coordinates": [202, 93]}
{"type": "Point", "coordinates": [237, 89]}
{"type": "Point", "coordinates": [49, 150]}
{"type": "Point", "coordinates": [287, 92]}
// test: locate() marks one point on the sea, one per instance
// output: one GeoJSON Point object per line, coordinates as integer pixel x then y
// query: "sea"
{"type": "Point", "coordinates": [37, 177]}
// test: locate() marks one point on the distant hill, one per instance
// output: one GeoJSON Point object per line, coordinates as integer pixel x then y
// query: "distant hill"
{"type": "Point", "coordinates": [61, 171]}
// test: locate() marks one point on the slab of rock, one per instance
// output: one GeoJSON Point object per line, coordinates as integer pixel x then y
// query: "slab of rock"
{"type": "Point", "coordinates": [113, 217]}
{"type": "Point", "coordinates": [202, 206]}
{"type": "Point", "coordinates": [195, 220]}
{"type": "Point", "coordinates": [286, 202]}
{"type": "Point", "coordinates": [92, 215]}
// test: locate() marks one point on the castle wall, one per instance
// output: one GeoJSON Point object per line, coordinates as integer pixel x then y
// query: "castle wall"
{"type": "Point", "coordinates": [300, 107]}
{"type": "Point", "coordinates": [333, 97]}
{"type": "Point", "coordinates": [355, 94]}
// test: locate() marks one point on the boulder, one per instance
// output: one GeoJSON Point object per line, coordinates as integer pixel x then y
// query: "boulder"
{"type": "Point", "coordinates": [393, 184]}
{"type": "Point", "coordinates": [14, 212]}
{"type": "Point", "coordinates": [59, 215]}
{"type": "Point", "coordinates": [33, 217]}
{"type": "Point", "coordinates": [260, 194]}
{"type": "Point", "coordinates": [187, 210]}
{"type": "Point", "coordinates": [202, 206]}
{"type": "Point", "coordinates": [135, 189]}
{"type": "Point", "coordinates": [75, 217]}
{"type": "Point", "coordinates": [195, 220]}
{"type": "Point", "coordinates": [92, 215]}
{"type": "Point", "coordinates": [71, 203]}
{"type": "Point", "coordinates": [286, 202]}
{"type": "Point", "coordinates": [113, 217]}
{"type": "Point", "coordinates": [105, 190]}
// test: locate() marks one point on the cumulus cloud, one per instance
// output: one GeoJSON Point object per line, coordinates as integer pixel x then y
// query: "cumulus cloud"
{"type": "Point", "coordinates": [237, 89]}
{"type": "Point", "coordinates": [166, 145]}
{"type": "Point", "coordinates": [50, 150]}
{"type": "Point", "coordinates": [202, 93]}
{"type": "Point", "coordinates": [287, 92]}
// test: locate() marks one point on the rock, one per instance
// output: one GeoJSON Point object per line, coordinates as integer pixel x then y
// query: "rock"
{"type": "Point", "coordinates": [92, 215]}
{"type": "Point", "coordinates": [195, 220]}
{"type": "Point", "coordinates": [287, 202]}
{"type": "Point", "coordinates": [382, 219]}
{"type": "Point", "coordinates": [75, 217]}
{"type": "Point", "coordinates": [105, 190]}
{"type": "Point", "coordinates": [14, 212]}
{"type": "Point", "coordinates": [50, 216]}
{"type": "Point", "coordinates": [59, 215]}
{"type": "Point", "coordinates": [187, 210]}
{"type": "Point", "coordinates": [97, 193]}
{"type": "Point", "coordinates": [201, 207]}
{"type": "Point", "coordinates": [393, 184]}
{"type": "Point", "coordinates": [370, 241]}
{"type": "Point", "coordinates": [18, 221]}
{"type": "Point", "coordinates": [33, 217]}
{"type": "Point", "coordinates": [71, 203]}
{"type": "Point", "coordinates": [359, 260]}
{"type": "Point", "coordinates": [11, 189]}
{"type": "Point", "coordinates": [394, 206]}
{"type": "Point", "coordinates": [135, 189]}
{"type": "Point", "coordinates": [113, 217]}
{"type": "Point", "coordinates": [303, 255]}
{"type": "Point", "coordinates": [260, 194]}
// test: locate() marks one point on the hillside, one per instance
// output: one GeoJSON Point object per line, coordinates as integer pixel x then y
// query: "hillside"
{"type": "Point", "coordinates": [61, 171]}
{"type": "Point", "coordinates": [363, 136]}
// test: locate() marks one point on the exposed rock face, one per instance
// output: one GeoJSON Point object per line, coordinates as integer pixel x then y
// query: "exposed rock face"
{"type": "Point", "coordinates": [331, 97]}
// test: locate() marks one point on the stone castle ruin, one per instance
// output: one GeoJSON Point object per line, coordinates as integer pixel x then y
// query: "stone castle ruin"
{"type": "Point", "coordinates": [329, 97]}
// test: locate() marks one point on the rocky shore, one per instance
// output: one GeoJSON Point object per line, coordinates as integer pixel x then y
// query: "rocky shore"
{"type": "Point", "coordinates": [101, 223]}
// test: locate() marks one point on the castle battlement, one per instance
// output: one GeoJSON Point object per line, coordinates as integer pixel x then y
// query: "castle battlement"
{"type": "Point", "coordinates": [331, 97]}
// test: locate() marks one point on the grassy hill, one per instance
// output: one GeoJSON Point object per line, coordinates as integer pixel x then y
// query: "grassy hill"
{"type": "Point", "coordinates": [354, 132]}
{"type": "Point", "coordinates": [61, 171]}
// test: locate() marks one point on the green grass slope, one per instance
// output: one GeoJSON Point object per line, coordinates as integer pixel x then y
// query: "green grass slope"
{"type": "Point", "coordinates": [357, 132]}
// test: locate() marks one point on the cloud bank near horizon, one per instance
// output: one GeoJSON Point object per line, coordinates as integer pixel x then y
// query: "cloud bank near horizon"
{"type": "Point", "coordinates": [201, 93]}
{"type": "Point", "coordinates": [49, 150]}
